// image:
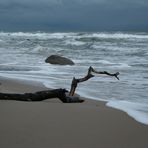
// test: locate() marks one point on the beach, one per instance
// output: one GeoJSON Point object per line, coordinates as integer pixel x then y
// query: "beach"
{"type": "Point", "coordinates": [23, 56]}
{"type": "Point", "coordinates": [51, 123]}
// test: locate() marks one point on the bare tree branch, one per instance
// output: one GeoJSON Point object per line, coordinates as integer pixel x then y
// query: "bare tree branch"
{"type": "Point", "coordinates": [76, 81]}
{"type": "Point", "coordinates": [87, 77]}
{"type": "Point", "coordinates": [105, 72]}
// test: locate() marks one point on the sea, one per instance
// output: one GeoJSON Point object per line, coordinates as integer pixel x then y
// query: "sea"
{"type": "Point", "coordinates": [23, 54]}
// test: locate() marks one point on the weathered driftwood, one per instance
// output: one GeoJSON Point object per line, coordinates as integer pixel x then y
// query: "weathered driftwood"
{"type": "Point", "coordinates": [37, 96]}
{"type": "Point", "coordinates": [56, 93]}
{"type": "Point", "coordinates": [87, 77]}
{"type": "Point", "coordinates": [42, 95]}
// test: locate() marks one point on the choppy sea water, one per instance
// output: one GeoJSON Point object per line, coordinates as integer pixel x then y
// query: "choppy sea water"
{"type": "Point", "coordinates": [22, 56]}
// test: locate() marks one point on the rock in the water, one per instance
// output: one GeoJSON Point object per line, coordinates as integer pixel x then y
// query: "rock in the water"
{"type": "Point", "coordinates": [55, 59]}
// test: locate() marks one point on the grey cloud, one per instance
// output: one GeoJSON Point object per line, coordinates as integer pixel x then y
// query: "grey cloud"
{"type": "Point", "coordinates": [73, 14]}
{"type": "Point", "coordinates": [35, 4]}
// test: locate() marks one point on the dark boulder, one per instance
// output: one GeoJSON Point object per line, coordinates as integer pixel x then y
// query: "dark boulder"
{"type": "Point", "coordinates": [55, 59]}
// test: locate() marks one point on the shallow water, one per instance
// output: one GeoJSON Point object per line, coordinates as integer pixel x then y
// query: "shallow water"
{"type": "Point", "coordinates": [23, 55]}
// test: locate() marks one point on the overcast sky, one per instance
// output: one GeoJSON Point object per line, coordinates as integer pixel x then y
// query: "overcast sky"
{"type": "Point", "coordinates": [73, 15]}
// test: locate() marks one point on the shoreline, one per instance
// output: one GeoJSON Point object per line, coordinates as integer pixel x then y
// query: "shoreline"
{"type": "Point", "coordinates": [29, 86]}
{"type": "Point", "coordinates": [53, 123]}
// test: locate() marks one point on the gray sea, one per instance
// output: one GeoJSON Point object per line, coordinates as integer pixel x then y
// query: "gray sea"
{"type": "Point", "coordinates": [22, 56]}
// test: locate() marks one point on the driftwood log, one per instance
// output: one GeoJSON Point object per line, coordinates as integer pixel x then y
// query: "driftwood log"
{"type": "Point", "coordinates": [37, 96]}
{"type": "Point", "coordinates": [56, 93]}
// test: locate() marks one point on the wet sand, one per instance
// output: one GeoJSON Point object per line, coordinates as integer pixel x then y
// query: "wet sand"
{"type": "Point", "coordinates": [51, 123]}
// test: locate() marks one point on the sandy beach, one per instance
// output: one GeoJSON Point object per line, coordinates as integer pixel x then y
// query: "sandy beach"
{"type": "Point", "coordinates": [51, 123]}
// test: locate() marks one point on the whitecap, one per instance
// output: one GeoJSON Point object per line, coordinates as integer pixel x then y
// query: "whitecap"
{"type": "Point", "coordinates": [116, 35]}
{"type": "Point", "coordinates": [38, 35]}
{"type": "Point", "coordinates": [121, 65]}
{"type": "Point", "coordinates": [39, 49]}
{"type": "Point", "coordinates": [75, 43]}
{"type": "Point", "coordinates": [119, 35]}
{"type": "Point", "coordinates": [105, 62]}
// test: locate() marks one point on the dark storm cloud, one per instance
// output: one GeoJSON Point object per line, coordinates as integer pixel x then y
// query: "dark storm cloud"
{"type": "Point", "coordinates": [73, 15]}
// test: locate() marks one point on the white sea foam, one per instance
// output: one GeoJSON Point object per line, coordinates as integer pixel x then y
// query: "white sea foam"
{"type": "Point", "coordinates": [119, 35]}
{"type": "Point", "coordinates": [136, 110]}
{"type": "Point", "coordinates": [73, 42]}
{"type": "Point", "coordinates": [38, 35]}
{"type": "Point", "coordinates": [43, 35]}
{"type": "Point", "coordinates": [116, 36]}
{"type": "Point", "coordinates": [121, 65]}
{"type": "Point", "coordinates": [105, 62]}
{"type": "Point", "coordinates": [8, 63]}
{"type": "Point", "coordinates": [39, 49]}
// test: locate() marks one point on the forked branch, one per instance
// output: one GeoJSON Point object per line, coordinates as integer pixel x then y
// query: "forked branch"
{"type": "Point", "coordinates": [87, 77]}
